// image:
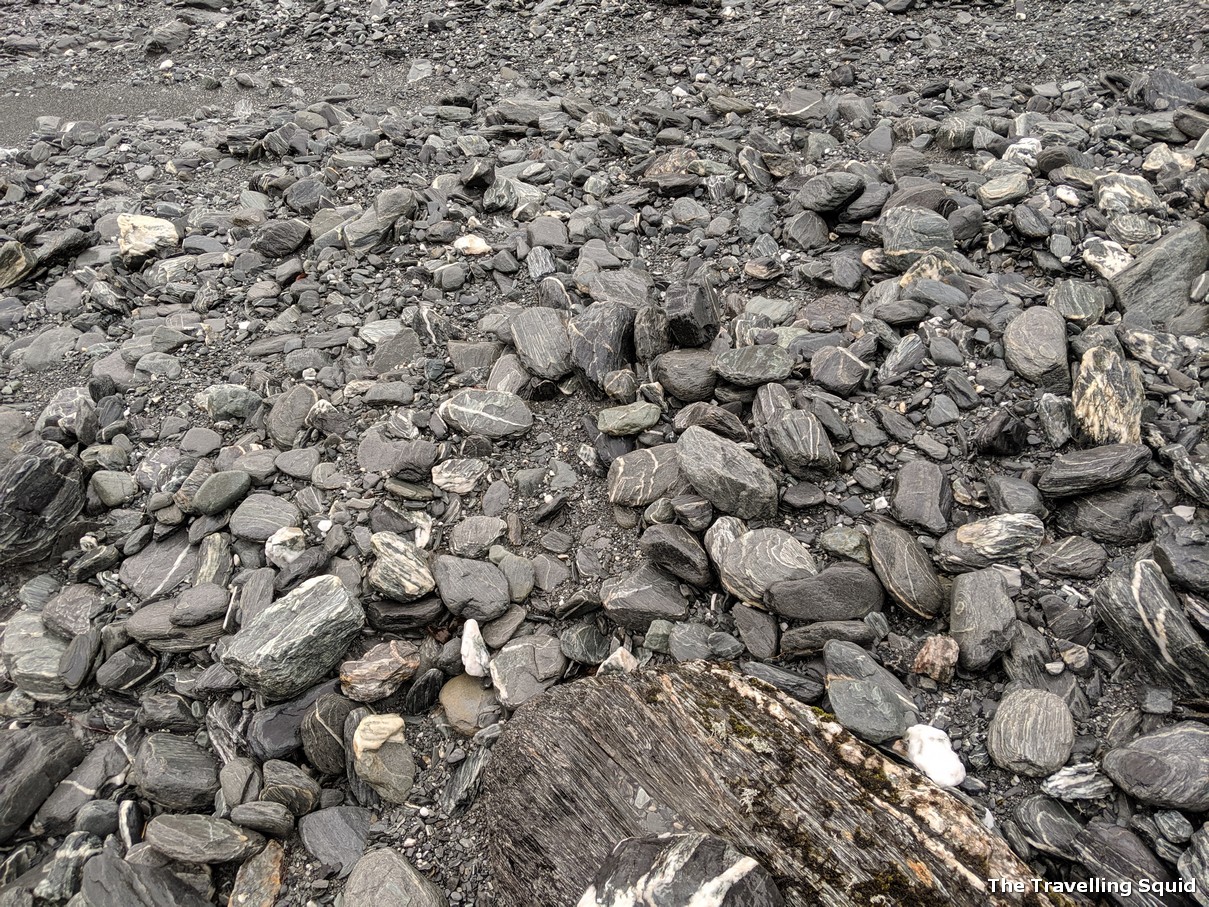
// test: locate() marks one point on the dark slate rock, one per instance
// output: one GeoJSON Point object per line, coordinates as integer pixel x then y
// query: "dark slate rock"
{"type": "Point", "coordinates": [687, 375]}
{"type": "Point", "coordinates": [279, 238]}
{"type": "Point", "coordinates": [336, 836]}
{"type": "Point", "coordinates": [201, 839]}
{"type": "Point", "coordinates": [323, 732]}
{"type": "Point", "coordinates": [175, 773]}
{"type": "Point", "coordinates": [1118, 856]}
{"type": "Point", "coordinates": [906, 571]}
{"type": "Point", "coordinates": [1158, 282]}
{"type": "Point", "coordinates": [602, 341]}
{"type": "Point", "coordinates": [1181, 552]}
{"type": "Point", "coordinates": [801, 443]}
{"type": "Point", "coordinates": [400, 569]}
{"type": "Point", "coordinates": [287, 418]}
{"type": "Point", "coordinates": [295, 641]}
{"type": "Point", "coordinates": [908, 233]}
{"type": "Point", "coordinates": [73, 793]}
{"type": "Point", "coordinates": [275, 732]}
{"type": "Point", "coordinates": [677, 551]}
{"type": "Point", "coordinates": [838, 369]}
{"type": "Point", "coordinates": [866, 698]}
{"type": "Point", "coordinates": [1139, 606]}
{"type": "Point", "coordinates": [1032, 733]}
{"type": "Point", "coordinates": [982, 618]}
{"type": "Point", "coordinates": [221, 490]}
{"type": "Point", "coordinates": [542, 343]}
{"type": "Point", "coordinates": [1107, 397]}
{"type": "Point", "coordinates": [152, 626]}
{"type": "Point", "coordinates": [493, 414]}
{"type": "Point", "coordinates": [385, 878]}
{"type": "Point", "coordinates": [1072, 556]}
{"type": "Point", "coordinates": [1005, 538]}
{"type": "Point", "coordinates": [1048, 825]}
{"type": "Point", "coordinates": [267, 818]}
{"type": "Point", "coordinates": [692, 313]}
{"type": "Point", "coordinates": [1009, 495]}
{"type": "Point", "coordinates": [636, 479]}
{"type": "Point", "coordinates": [1120, 516]}
{"type": "Point", "coordinates": [842, 592]}
{"type": "Point", "coordinates": [1097, 468]}
{"type": "Point", "coordinates": [41, 491]}
{"type": "Point", "coordinates": [1035, 347]}
{"type": "Point", "coordinates": [921, 497]}
{"type": "Point", "coordinates": [755, 560]}
{"type": "Point", "coordinates": [1165, 768]}
{"type": "Point", "coordinates": [643, 595]}
{"type": "Point", "coordinates": [33, 761]}
{"type": "Point", "coordinates": [108, 879]}
{"type": "Point", "coordinates": [725, 474]}
{"type": "Point", "coordinates": [471, 589]}
{"type": "Point", "coordinates": [689, 867]}
{"type": "Point", "coordinates": [751, 366]}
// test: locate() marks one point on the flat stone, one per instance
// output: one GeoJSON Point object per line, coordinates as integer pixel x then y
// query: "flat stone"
{"type": "Point", "coordinates": [636, 479]}
{"type": "Point", "coordinates": [385, 878]}
{"type": "Point", "coordinates": [41, 491]}
{"type": "Point", "coordinates": [801, 444]}
{"type": "Point", "coordinates": [906, 571]}
{"type": "Point", "coordinates": [1035, 348]}
{"type": "Point", "coordinates": [526, 667]}
{"type": "Point", "coordinates": [201, 839]}
{"type": "Point", "coordinates": [175, 773]}
{"type": "Point", "coordinates": [1081, 471]}
{"type": "Point", "coordinates": [1158, 283]}
{"type": "Point", "coordinates": [382, 757]}
{"type": "Point", "coordinates": [471, 588]}
{"type": "Point", "coordinates": [982, 618]}
{"type": "Point", "coordinates": [260, 515]}
{"type": "Point", "coordinates": [1032, 733]}
{"type": "Point", "coordinates": [336, 836]}
{"type": "Point", "coordinates": [542, 343]}
{"type": "Point", "coordinates": [1108, 396]}
{"type": "Point", "coordinates": [643, 595]}
{"type": "Point", "coordinates": [494, 414]}
{"type": "Point", "coordinates": [380, 672]}
{"type": "Point", "coordinates": [400, 571]}
{"type": "Point", "coordinates": [757, 559]}
{"type": "Point", "coordinates": [33, 761]}
{"type": "Point", "coordinates": [1005, 538]}
{"type": "Point", "coordinates": [867, 699]}
{"type": "Point", "coordinates": [751, 366]}
{"type": "Point", "coordinates": [921, 497]}
{"type": "Point", "coordinates": [1165, 768]}
{"type": "Point", "coordinates": [728, 476]}
{"type": "Point", "coordinates": [677, 551]}
{"type": "Point", "coordinates": [842, 592]}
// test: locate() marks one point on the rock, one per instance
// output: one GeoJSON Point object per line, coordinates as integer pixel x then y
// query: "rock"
{"type": "Point", "coordinates": [1182, 553]}
{"type": "Point", "coordinates": [839, 370]}
{"type": "Point", "coordinates": [687, 375]}
{"type": "Point", "coordinates": [174, 773]}
{"type": "Point", "coordinates": [469, 705]}
{"type": "Point", "coordinates": [322, 733]}
{"type": "Point", "coordinates": [542, 343]}
{"type": "Point", "coordinates": [641, 596]}
{"type": "Point", "coordinates": [259, 879]}
{"type": "Point", "coordinates": [493, 414]}
{"type": "Point", "coordinates": [382, 756]}
{"type": "Point", "coordinates": [16, 264]}
{"type": "Point", "coordinates": [866, 698]}
{"type": "Point", "coordinates": [108, 879]}
{"type": "Point", "coordinates": [1077, 782]}
{"type": "Point", "coordinates": [756, 560]}
{"type": "Point", "coordinates": [287, 785]}
{"type": "Point", "coordinates": [160, 567]}
{"type": "Point", "coordinates": [636, 479]}
{"type": "Point", "coordinates": [702, 720]}
{"type": "Point", "coordinates": [842, 592]}
{"type": "Point", "coordinates": [680, 869]}
{"type": "Point", "coordinates": [471, 588]}
{"type": "Point", "coordinates": [1108, 397]}
{"type": "Point", "coordinates": [526, 667]}
{"type": "Point", "coordinates": [201, 839]}
{"type": "Point", "coordinates": [400, 569]}
{"type": "Point", "coordinates": [751, 366]}
{"type": "Point", "coordinates": [384, 878]}
{"type": "Point", "coordinates": [41, 491]}
{"type": "Point", "coordinates": [1137, 604]}
{"type": "Point", "coordinates": [221, 490]}
{"type": "Point", "coordinates": [677, 551]}
{"type": "Point", "coordinates": [1120, 857]}
{"type": "Point", "coordinates": [1116, 517]}
{"type": "Point", "coordinates": [336, 836]}
{"type": "Point", "coordinates": [931, 751]}
{"type": "Point", "coordinates": [692, 313]}
{"type": "Point", "coordinates": [1032, 733]}
{"type": "Point", "coordinates": [726, 475]}
{"type": "Point", "coordinates": [630, 419]}
{"type": "Point", "coordinates": [908, 233]}
{"type": "Point", "coordinates": [801, 444]}
{"type": "Point", "coordinates": [1071, 556]}
{"type": "Point", "coordinates": [937, 658]}
{"type": "Point", "coordinates": [1194, 864]}
{"type": "Point", "coordinates": [141, 237]}
{"type": "Point", "coordinates": [982, 618]}
{"type": "Point", "coordinates": [1034, 345]}
{"type": "Point", "coordinates": [1087, 470]}
{"type": "Point", "coordinates": [906, 571]}
{"type": "Point", "coordinates": [999, 539]}
{"type": "Point", "coordinates": [921, 497]}
{"type": "Point", "coordinates": [476, 657]}
{"type": "Point", "coordinates": [1158, 283]}
{"type": "Point", "coordinates": [33, 761]}
{"type": "Point", "coordinates": [292, 644]}
{"type": "Point", "coordinates": [380, 672]}
{"type": "Point", "coordinates": [32, 657]}
{"type": "Point", "coordinates": [602, 341]}
{"type": "Point", "coordinates": [260, 515]}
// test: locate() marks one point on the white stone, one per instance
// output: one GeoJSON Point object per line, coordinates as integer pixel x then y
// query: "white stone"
{"type": "Point", "coordinates": [476, 658]}
{"type": "Point", "coordinates": [931, 751]}
{"type": "Point", "coordinates": [285, 546]}
{"type": "Point", "coordinates": [621, 661]}
{"type": "Point", "coordinates": [140, 235]}
{"type": "Point", "coordinates": [472, 245]}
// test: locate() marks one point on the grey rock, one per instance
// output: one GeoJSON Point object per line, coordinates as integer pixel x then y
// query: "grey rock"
{"type": "Point", "coordinates": [692, 313]}
{"type": "Point", "coordinates": [751, 366]}
{"type": "Point", "coordinates": [16, 263]}
{"type": "Point", "coordinates": [643, 595]}
{"type": "Point", "coordinates": [323, 732]}
{"type": "Point", "coordinates": [866, 698]}
{"type": "Point", "coordinates": [260, 515]}
{"type": "Point", "coordinates": [757, 559]}
{"type": "Point", "coordinates": [542, 343]}
{"type": "Point", "coordinates": [677, 551]}
{"type": "Point", "coordinates": [385, 878]}
{"type": "Point", "coordinates": [296, 640]}
{"type": "Point", "coordinates": [382, 756]}
{"type": "Point", "coordinates": [471, 589]}
{"type": "Point", "coordinates": [1118, 856]}
{"type": "Point", "coordinates": [494, 414]}
{"type": "Point", "coordinates": [1072, 556]}
{"type": "Point", "coordinates": [1165, 768]}
{"type": "Point", "coordinates": [1032, 733]}
{"type": "Point", "coordinates": [108, 879]}
{"type": "Point", "coordinates": [202, 839]}
{"type": "Point", "coordinates": [906, 571]}
{"type": "Point", "coordinates": [801, 443]}
{"type": "Point", "coordinates": [336, 836]}
{"type": "Point", "coordinates": [687, 375]}
{"type": "Point", "coordinates": [33, 761]}
{"type": "Point", "coordinates": [1158, 283]}
{"type": "Point", "coordinates": [982, 618]}
{"type": "Point", "coordinates": [526, 667]}
{"type": "Point", "coordinates": [629, 419]}
{"type": "Point", "coordinates": [1004, 538]}
{"type": "Point", "coordinates": [1035, 347]}
{"type": "Point", "coordinates": [400, 569]}
{"type": "Point", "coordinates": [842, 592]}
{"type": "Point", "coordinates": [221, 490]}
{"type": "Point", "coordinates": [1108, 396]}
{"type": "Point", "coordinates": [41, 491]}
{"type": "Point", "coordinates": [602, 341]}
{"type": "Point", "coordinates": [838, 369]}
{"type": "Point", "coordinates": [1138, 605]}
{"type": "Point", "coordinates": [174, 772]}
{"type": "Point", "coordinates": [922, 497]}
{"type": "Point", "coordinates": [32, 657]}
{"type": "Point", "coordinates": [908, 233]}
{"type": "Point", "coordinates": [1087, 470]}
{"type": "Point", "coordinates": [636, 479]}
{"type": "Point", "coordinates": [725, 474]}
{"type": "Point", "coordinates": [287, 418]}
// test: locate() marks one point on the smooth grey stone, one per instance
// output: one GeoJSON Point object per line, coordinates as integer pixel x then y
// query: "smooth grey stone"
{"type": "Point", "coordinates": [542, 343]}
{"type": "Point", "coordinates": [1165, 768]}
{"type": "Point", "coordinates": [201, 839]}
{"type": "Point", "coordinates": [73, 609]}
{"type": "Point", "coordinates": [906, 571]}
{"type": "Point", "coordinates": [526, 667]}
{"type": "Point", "coordinates": [336, 836]}
{"type": "Point", "coordinates": [1026, 663]}
{"type": "Point", "coordinates": [152, 626]}
{"type": "Point", "coordinates": [286, 419]}
{"type": "Point", "coordinates": [636, 479]}
{"type": "Point", "coordinates": [471, 589]}
{"type": "Point", "coordinates": [842, 592]}
{"type": "Point", "coordinates": [1158, 282]}
{"type": "Point", "coordinates": [801, 444]}
{"type": "Point", "coordinates": [494, 414]}
{"type": "Point", "coordinates": [175, 773]}
{"type": "Point", "coordinates": [1034, 345]}
{"type": "Point", "coordinates": [1032, 733]}
{"type": "Point", "coordinates": [323, 732]}
{"type": "Point", "coordinates": [221, 490]}
{"type": "Point", "coordinates": [921, 497]}
{"type": "Point", "coordinates": [1048, 825]}
{"type": "Point", "coordinates": [629, 419]}
{"type": "Point", "coordinates": [33, 761]}
{"type": "Point", "coordinates": [1005, 538]}
{"type": "Point", "coordinates": [385, 878]}
{"type": "Point", "coordinates": [1008, 495]}
{"type": "Point", "coordinates": [909, 232]}
{"type": "Point", "coordinates": [750, 366]}
{"type": "Point", "coordinates": [1117, 856]}
{"type": "Point", "coordinates": [755, 560]}
{"type": "Point", "coordinates": [41, 491]}
{"type": "Point", "coordinates": [1081, 471]}
{"type": "Point", "coordinates": [73, 795]}
{"type": "Point", "coordinates": [677, 551]}
{"type": "Point", "coordinates": [867, 699]}
{"type": "Point", "coordinates": [400, 571]}
{"type": "Point", "coordinates": [1182, 553]}
{"type": "Point", "coordinates": [982, 618]}
{"type": "Point", "coordinates": [267, 818]}
{"type": "Point", "coordinates": [260, 515]}
{"type": "Point", "coordinates": [294, 642]}
{"type": "Point", "coordinates": [287, 784]}
{"type": "Point", "coordinates": [687, 375]}
{"type": "Point", "coordinates": [641, 596]}
{"type": "Point", "coordinates": [1078, 302]}
{"type": "Point", "coordinates": [200, 604]}
{"type": "Point", "coordinates": [1138, 605]}
{"type": "Point", "coordinates": [725, 474]}
{"type": "Point", "coordinates": [838, 369]}
{"type": "Point", "coordinates": [32, 657]}
{"type": "Point", "coordinates": [585, 644]}
{"type": "Point", "coordinates": [107, 879]}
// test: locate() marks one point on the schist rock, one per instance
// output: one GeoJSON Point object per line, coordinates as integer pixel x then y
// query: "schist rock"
{"type": "Point", "coordinates": [1164, 768]}
{"type": "Point", "coordinates": [33, 761]}
{"type": "Point", "coordinates": [41, 491]}
{"type": "Point", "coordinates": [689, 780]}
{"type": "Point", "coordinates": [728, 476]}
{"type": "Point", "coordinates": [1096, 468]}
{"type": "Point", "coordinates": [866, 698]}
{"type": "Point", "coordinates": [1032, 733]}
{"type": "Point", "coordinates": [1158, 282]}
{"type": "Point", "coordinates": [636, 479]}
{"type": "Point", "coordinates": [906, 571]}
{"type": "Point", "coordinates": [982, 617]}
{"type": "Point", "coordinates": [494, 414]}
{"type": "Point", "coordinates": [922, 497]}
{"type": "Point", "coordinates": [842, 592]}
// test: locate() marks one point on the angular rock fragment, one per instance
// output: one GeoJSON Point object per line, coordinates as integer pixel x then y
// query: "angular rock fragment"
{"type": "Point", "coordinates": [725, 474]}
{"type": "Point", "coordinates": [1165, 768]}
{"type": "Point", "coordinates": [41, 491]}
{"type": "Point", "coordinates": [1087, 470]}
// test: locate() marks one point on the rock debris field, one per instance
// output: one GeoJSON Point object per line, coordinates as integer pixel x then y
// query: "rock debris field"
{"type": "Point", "coordinates": [730, 453]}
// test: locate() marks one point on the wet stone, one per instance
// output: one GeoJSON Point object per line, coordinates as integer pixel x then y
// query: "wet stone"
{"type": "Point", "coordinates": [643, 595]}
{"type": "Point", "coordinates": [756, 560]}
{"type": "Point", "coordinates": [494, 414]}
{"type": "Point", "coordinates": [921, 497]}
{"type": "Point", "coordinates": [1005, 538]}
{"type": "Point", "coordinates": [174, 773]}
